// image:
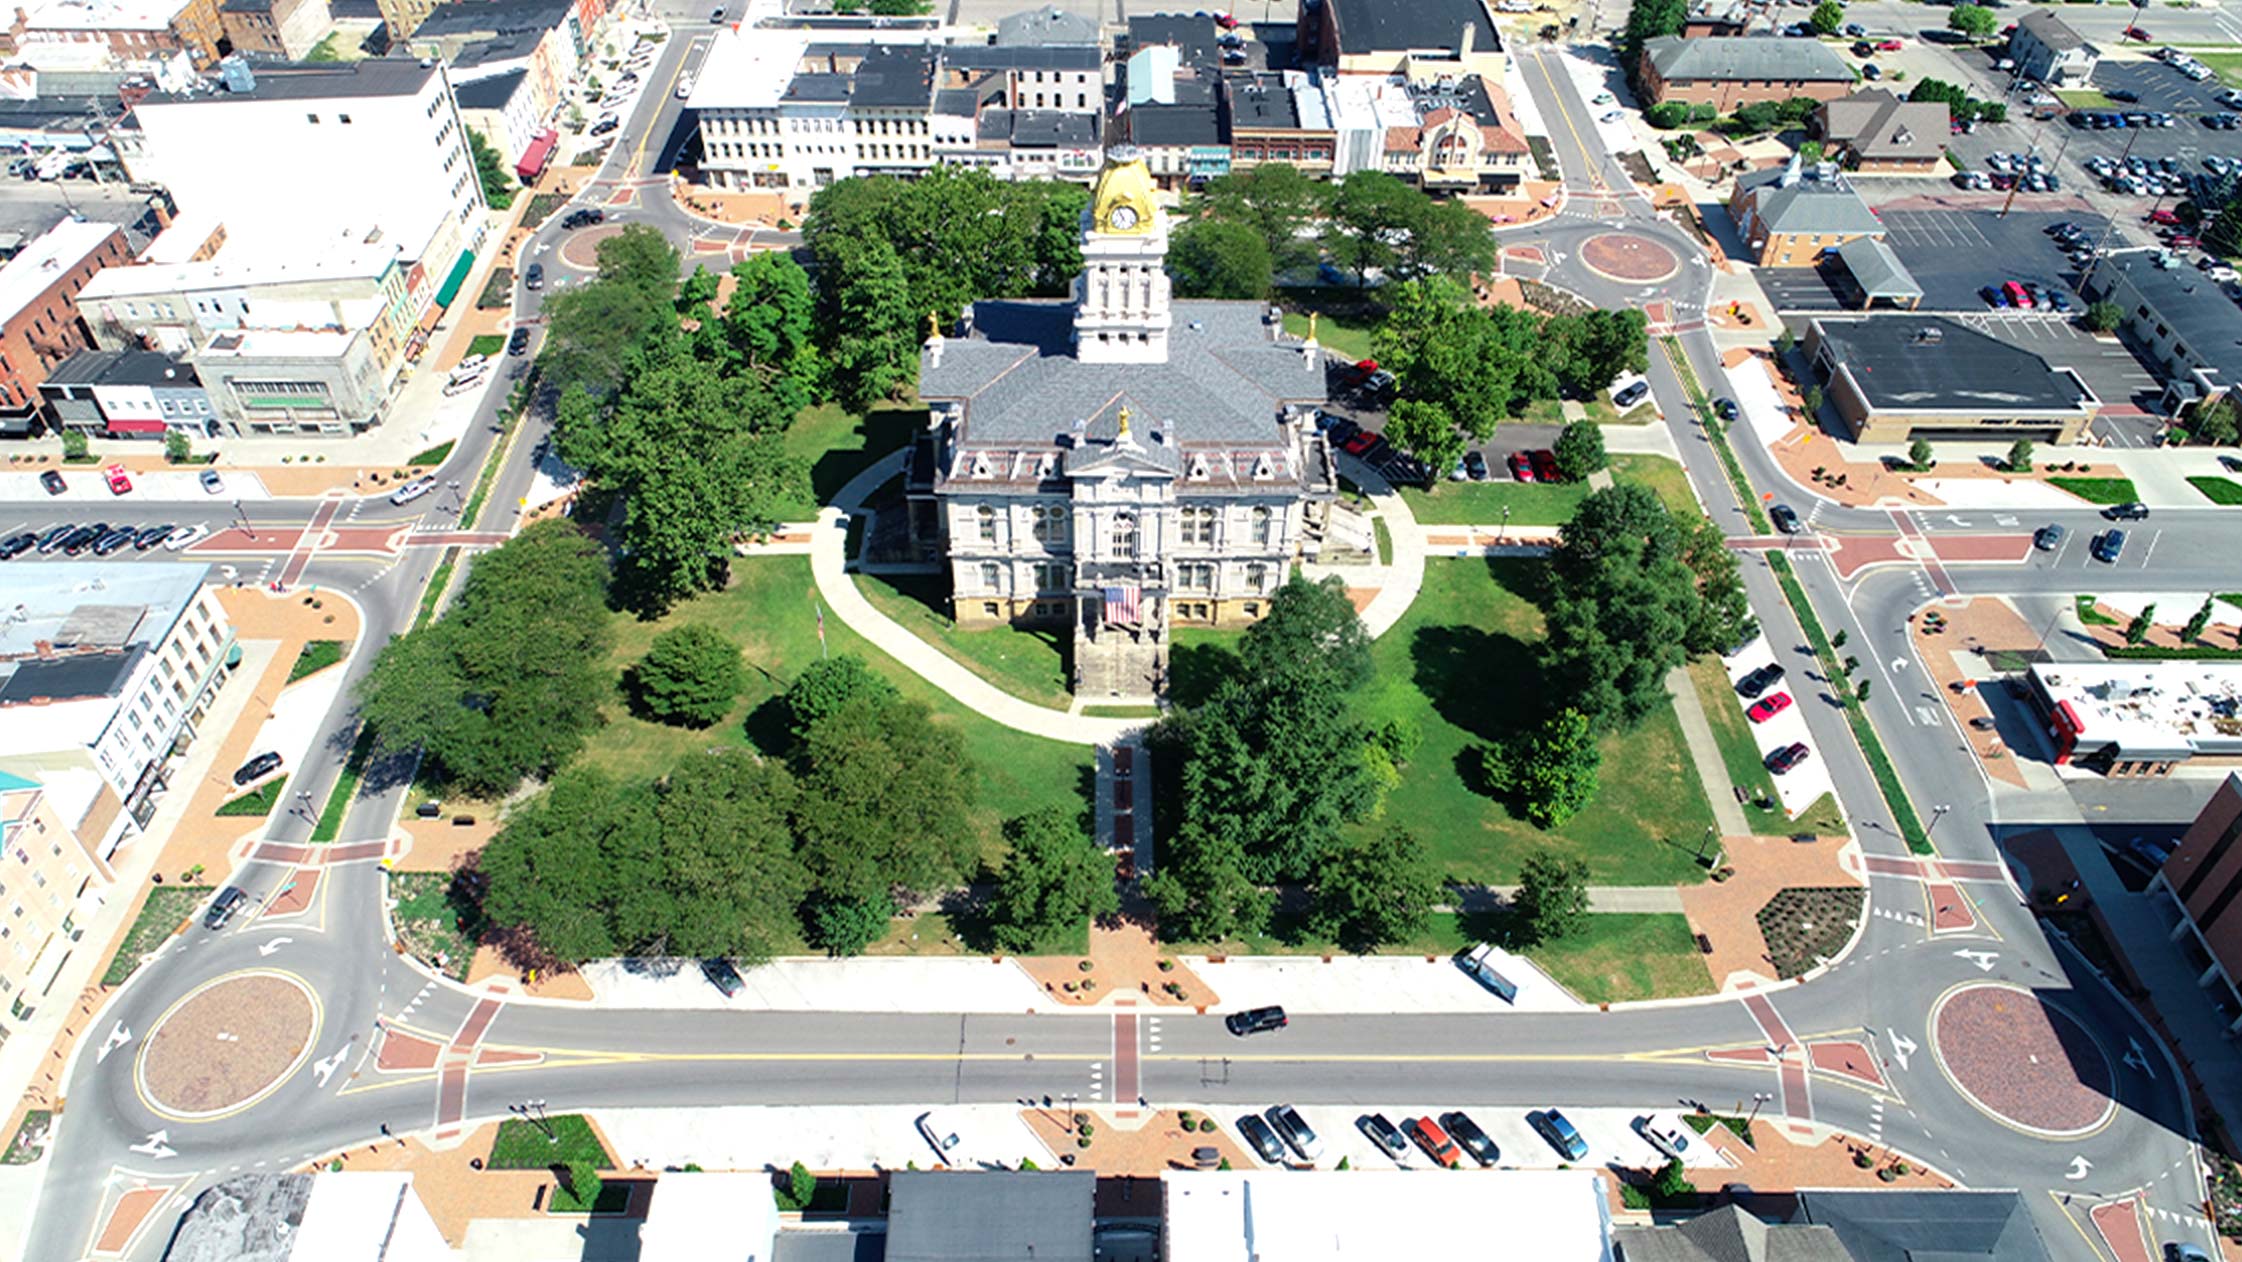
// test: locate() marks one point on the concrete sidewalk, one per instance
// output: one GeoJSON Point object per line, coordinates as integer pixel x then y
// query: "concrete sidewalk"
{"type": "Point", "coordinates": [1406, 574]}
{"type": "Point", "coordinates": [1378, 983]}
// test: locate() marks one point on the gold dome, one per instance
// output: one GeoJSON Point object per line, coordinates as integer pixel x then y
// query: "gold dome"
{"type": "Point", "coordinates": [1122, 201]}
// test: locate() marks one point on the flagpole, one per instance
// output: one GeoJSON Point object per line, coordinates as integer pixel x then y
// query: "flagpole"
{"type": "Point", "coordinates": [821, 630]}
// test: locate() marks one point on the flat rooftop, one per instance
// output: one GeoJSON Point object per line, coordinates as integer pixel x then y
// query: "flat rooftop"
{"type": "Point", "coordinates": [2200, 314]}
{"type": "Point", "coordinates": [53, 255]}
{"type": "Point", "coordinates": [315, 81]}
{"type": "Point", "coordinates": [1911, 363]}
{"type": "Point", "coordinates": [2148, 708]}
{"type": "Point", "coordinates": [1303, 1216]}
{"type": "Point", "coordinates": [240, 266]}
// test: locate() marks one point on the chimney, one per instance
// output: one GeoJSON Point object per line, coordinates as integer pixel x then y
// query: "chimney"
{"type": "Point", "coordinates": [1463, 49]}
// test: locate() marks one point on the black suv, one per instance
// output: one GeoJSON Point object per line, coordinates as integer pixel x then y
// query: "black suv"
{"type": "Point", "coordinates": [1255, 1021]}
{"type": "Point", "coordinates": [2132, 511]}
{"type": "Point", "coordinates": [1756, 683]}
{"type": "Point", "coordinates": [723, 976]}
{"type": "Point", "coordinates": [257, 768]}
{"type": "Point", "coordinates": [223, 907]}
{"type": "Point", "coordinates": [1464, 1131]}
{"type": "Point", "coordinates": [1785, 519]}
{"type": "Point", "coordinates": [517, 342]}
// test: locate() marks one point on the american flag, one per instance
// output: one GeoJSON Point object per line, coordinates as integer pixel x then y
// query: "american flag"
{"type": "Point", "coordinates": [1122, 604]}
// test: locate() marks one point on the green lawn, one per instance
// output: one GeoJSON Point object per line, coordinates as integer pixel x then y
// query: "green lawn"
{"type": "Point", "coordinates": [346, 787]}
{"type": "Point", "coordinates": [1456, 664]}
{"type": "Point", "coordinates": [1732, 731]}
{"type": "Point", "coordinates": [2218, 490]}
{"type": "Point", "coordinates": [317, 656]}
{"type": "Point", "coordinates": [2227, 65]}
{"type": "Point", "coordinates": [2099, 490]}
{"type": "Point", "coordinates": [435, 455]}
{"type": "Point", "coordinates": [1618, 957]}
{"type": "Point", "coordinates": [1600, 410]}
{"type": "Point", "coordinates": [1349, 341]}
{"type": "Point", "coordinates": [1031, 665]}
{"type": "Point", "coordinates": [837, 445]}
{"type": "Point", "coordinates": [2090, 615]}
{"type": "Point", "coordinates": [2088, 99]}
{"type": "Point", "coordinates": [167, 906]}
{"type": "Point", "coordinates": [485, 344]}
{"type": "Point", "coordinates": [1541, 503]}
{"type": "Point", "coordinates": [771, 611]}
{"type": "Point", "coordinates": [522, 1145]}
{"type": "Point", "coordinates": [258, 801]}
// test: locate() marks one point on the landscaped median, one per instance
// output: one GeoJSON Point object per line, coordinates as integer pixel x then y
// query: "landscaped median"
{"type": "Point", "coordinates": [1717, 433]}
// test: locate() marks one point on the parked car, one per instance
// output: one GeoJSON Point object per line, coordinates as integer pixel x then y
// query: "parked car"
{"type": "Point", "coordinates": [1785, 518]}
{"type": "Point", "coordinates": [1521, 467]}
{"type": "Point", "coordinates": [83, 537]}
{"type": "Point", "coordinates": [2182, 1251]}
{"type": "Point", "coordinates": [943, 1140]}
{"type": "Point", "coordinates": [2131, 510]}
{"type": "Point", "coordinates": [413, 490]}
{"type": "Point", "coordinates": [723, 976]}
{"type": "Point", "coordinates": [1768, 707]}
{"type": "Point", "coordinates": [2122, 94]}
{"type": "Point", "coordinates": [1433, 1140]}
{"type": "Point", "coordinates": [1545, 466]}
{"type": "Point", "coordinates": [1630, 396]}
{"type": "Point", "coordinates": [52, 482]}
{"type": "Point", "coordinates": [186, 536]}
{"type": "Point", "coordinates": [257, 768]}
{"type": "Point", "coordinates": [2109, 547]}
{"type": "Point", "coordinates": [1464, 1131]}
{"type": "Point", "coordinates": [1382, 1133]}
{"type": "Point", "coordinates": [1787, 757]}
{"type": "Point", "coordinates": [605, 125]}
{"type": "Point", "coordinates": [1670, 1142]}
{"type": "Point", "coordinates": [113, 475]}
{"type": "Point", "coordinates": [223, 907]}
{"type": "Point", "coordinates": [1294, 1130]}
{"type": "Point", "coordinates": [1478, 964]}
{"type": "Point", "coordinates": [517, 342]}
{"type": "Point", "coordinates": [2049, 537]}
{"type": "Point", "coordinates": [1756, 682]}
{"type": "Point", "coordinates": [149, 536]}
{"type": "Point", "coordinates": [1263, 1140]}
{"type": "Point", "coordinates": [14, 544]}
{"type": "Point", "coordinates": [1554, 1127]}
{"type": "Point", "coordinates": [56, 536]}
{"type": "Point", "coordinates": [1256, 1021]}
{"type": "Point", "coordinates": [1378, 383]}
{"type": "Point", "coordinates": [113, 541]}
{"type": "Point", "coordinates": [211, 482]}
{"type": "Point", "coordinates": [1475, 466]}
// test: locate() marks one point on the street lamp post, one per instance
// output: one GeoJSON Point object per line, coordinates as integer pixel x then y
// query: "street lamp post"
{"type": "Point", "coordinates": [1936, 813]}
{"type": "Point", "coordinates": [1504, 533]}
{"type": "Point", "coordinates": [533, 1112]}
{"type": "Point", "coordinates": [1758, 1098]}
{"type": "Point", "coordinates": [242, 515]}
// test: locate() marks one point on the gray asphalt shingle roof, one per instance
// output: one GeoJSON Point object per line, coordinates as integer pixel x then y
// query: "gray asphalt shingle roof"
{"type": "Point", "coordinates": [1810, 204]}
{"type": "Point", "coordinates": [1745, 58]}
{"type": "Point", "coordinates": [2050, 30]}
{"type": "Point", "coordinates": [1728, 1234]}
{"type": "Point", "coordinates": [1877, 269]}
{"type": "Point", "coordinates": [1951, 1226]}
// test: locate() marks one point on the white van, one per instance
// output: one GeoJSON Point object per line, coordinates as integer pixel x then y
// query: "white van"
{"type": "Point", "coordinates": [414, 489]}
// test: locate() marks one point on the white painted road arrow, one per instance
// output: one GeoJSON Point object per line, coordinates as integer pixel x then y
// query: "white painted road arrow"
{"type": "Point", "coordinates": [326, 1069]}
{"type": "Point", "coordinates": [118, 1037]}
{"type": "Point", "coordinates": [1902, 1046]}
{"type": "Point", "coordinates": [156, 1146]}
{"type": "Point", "coordinates": [2079, 1167]}
{"type": "Point", "coordinates": [2138, 1058]}
{"type": "Point", "coordinates": [274, 945]}
{"type": "Point", "coordinates": [1983, 959]}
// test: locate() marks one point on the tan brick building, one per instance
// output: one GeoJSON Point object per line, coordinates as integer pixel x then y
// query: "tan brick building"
{"type": "Point", "coordinates": [1793, 216]}
{"type": "Point", "coordinates": [1726, 72]}
{"type": "Point", "coordinates": [50, 884]}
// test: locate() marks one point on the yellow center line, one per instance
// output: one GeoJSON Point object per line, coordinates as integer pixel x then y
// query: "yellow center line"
{"type": "Point", "coordinates": [1595, 175]}
{"type": "Point", "coordinates": [668, 90]}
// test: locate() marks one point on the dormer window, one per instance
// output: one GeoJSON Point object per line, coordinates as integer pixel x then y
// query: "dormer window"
{"type": "Point", "coordinates": [981, 467]}
{"type": "Point", "coordinates": [1264, 468]}
{"type": "Point", "coordinates": [1198, 468]}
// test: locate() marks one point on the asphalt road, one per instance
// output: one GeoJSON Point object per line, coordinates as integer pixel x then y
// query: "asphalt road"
{"type": "Point", "coordinates": [1881, 994]}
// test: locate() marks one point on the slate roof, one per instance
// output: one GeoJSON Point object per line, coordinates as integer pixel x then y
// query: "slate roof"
{"type": "Point", "coordinates": [1877, 269]}
{"type": "Point", "coordinates": [1958, 368]}
{"type": "Point", "coordinates": [490, 92]}
{"type": "Point", "coordinates": [1812, 204]}
{"type": "Point", "coordinates": [1876, 123]}
{"type": "Point", "coordinates": [990, 1216]}
{"type": "Point", "coordinates": [1745, 58]}
{"type": "Point", "coordinates": [2050, 30]}
{"type": "Point", "coordinates": [1045, 27]}
{"type": "Point", "coordinates": [894, 77]}
{"type": "Point", "coordinates": [1953, 1226]}
{"type": "Point", "coordinates": [1019, 389]}
{"type": "Point", "coordinates": [1374, 26]}
{"type": "Point", "coordinates": [1728, 1234]}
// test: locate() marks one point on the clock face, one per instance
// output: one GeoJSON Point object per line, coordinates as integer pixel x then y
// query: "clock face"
{"type": "Point", "coordinates": [1123, 217]}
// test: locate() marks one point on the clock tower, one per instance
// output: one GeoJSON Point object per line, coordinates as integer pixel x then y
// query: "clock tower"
{"type": "Point", "coordinates": [1121, 313]}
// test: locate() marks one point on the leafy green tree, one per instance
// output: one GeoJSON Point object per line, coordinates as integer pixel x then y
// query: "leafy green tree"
{"type": "Point", "coordinates": [2138, 629]}
{"type": "Point", "coordinates": [584, 1183]}
{"type": "Point", "coordinates": [690, 675]}
{"type": "Point", "coordinates": [1667, 115]}
{"type": "Point", "coordinates": [508, 682]}
{"type": "Point", "coordinates": [2103, 317]}
{"type": "Point", "coordinates": [1553, 773]}
{"type": "Point", "coordinates": [771, 323]}
{"type": "Point", "coordinates": [1311, 634]}
{"type": "Point", "coordinates": [1580, 450]}
{"type": "Point", "coordinates": [641, 257]}
{"type": "Point", "coordinates": [2200, 619]}
{"type": "Point", "coordinates": [569, 864]}
{"type": "Point", "coordinates": [885, 800]}
{"type": "Point", "coordinates": [1426, 431]}
{"type": "Point", "coordinates": [1673, 1182]}
{"type": "Point", "coordinates": [1200, 892]}
{"type": "Point", "coordinates": [874, 344]}
{"type": "Point", "coordinates": [1375, 891]}
{"type": "Point", "coordinates": [1598, 346]}
{"type": "Point", "coordinates": [1213, 258]}
{"type": "Point", "coordinates": [490, 171]}
{"type": "Point", "coordinates": [1552, 898]}
{"type": "Point", "coordinates": [801, 1185]}
{"type": "Point", "coordinates": [1370, 211]}
{"type": "Point", "coordinates": [73, 444]}
{"type": "Point", "coordinates": [1446, 237]}
{"type": "Point", "coordinates": [828, 685]}
{"type": "Point", "coordinates": [1275, 770]}
{"type": "Point", "coordinates": [1054, 880]}
{"type": "Point", "coordinates": [2020, 456]}
{"type": "Point", "coordinates": [2224, 236]}
{"type": "Point", "coordinates": [1919, 453]}
{"type": "Point", "coordinates": [177, 447]}
{"type": "Point", "coordinates": [1827, 17]}
{"type": "Point", "coordinates": [1973, 20]}
{"type": "Point", "coordinates": [2218, 423]}
{"type": "Point", "coordinates": [846, 926]}
{"type": "Point", "coordinates": [595, 334]}
{"type": "Point", "coordinates": [1277, 203]}
{"type": "Point", "coordinates": [1477, 364]}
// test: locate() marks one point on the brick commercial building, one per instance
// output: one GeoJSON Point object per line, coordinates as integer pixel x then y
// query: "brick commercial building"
{"type": "Point", "coordinates": [2204, 877]}
{"type": "Point", "coordinates": [1894, 378]}
{"type": "Point", "coordinates": [129, 27]}
{"type": "Point", "coordinates": [1728, 72]}
{"type": "Point", "coordinates": [1421, 40]}
{"type": "Point", "coordinates": [39, 325]}
{"type": "Point", "coordinates": [278, 28]}
{"type": "Point", "coordinates": [1795, 215]}
{"type": "Point", "coordinates": [1874, 132]}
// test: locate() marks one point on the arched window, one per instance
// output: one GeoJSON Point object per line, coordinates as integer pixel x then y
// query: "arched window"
{"type": "Point", "coordinates": [1125, 535]}
{"type": "Point", "coordinates": [1261, 520]}
{"type": "Point", "coordinates": [987, 516]}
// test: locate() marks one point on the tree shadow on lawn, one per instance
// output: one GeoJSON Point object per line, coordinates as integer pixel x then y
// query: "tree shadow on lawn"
{"type": "Point", "coordinates": [1195, 671]}
{"type": "Point", "coordinates": [883, 429]}
{"type": "Point", "coordinates": [1478, 680]}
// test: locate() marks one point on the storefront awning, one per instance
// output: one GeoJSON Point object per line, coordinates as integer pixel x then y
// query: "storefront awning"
{"type": "Point", "coordinates": [540, 152]}
{"type": "Point", "coordinates": [136, 427]}
{"type": "Point", "coordinates": [457, 277]}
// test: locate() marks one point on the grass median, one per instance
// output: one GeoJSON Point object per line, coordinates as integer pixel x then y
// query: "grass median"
{"type": "Point", "coordinates": [1738, 484]}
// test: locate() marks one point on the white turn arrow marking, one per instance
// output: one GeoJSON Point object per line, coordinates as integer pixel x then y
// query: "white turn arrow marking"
{"type": "Point", "coordinates": [118, 1037]}
{"type": "Point", "coordinates": [1964, 524]}
{"type": "Point", "coordinates": [326, 1069]}
{"type": "Point", "coordinates": [1999, 520]}
{"type": "Point", "coordinates": [156, 1146]}
{"type": "Point", "coordinates": [2079, 1167]}
{"type": "Point", "coordinates": [2138, 1058]}
{"type": "Point", "coordinates": [274, 945]}
{"type": "Point", "coordinates": [1983, 959]}
{"type": "Point", "coordinates": [1902, 1046]}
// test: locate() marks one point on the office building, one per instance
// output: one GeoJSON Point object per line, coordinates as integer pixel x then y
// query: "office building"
{"type": "Point", "coordinates": [39, 325]}
{"type": "Point", "coordinates": [52, 890]}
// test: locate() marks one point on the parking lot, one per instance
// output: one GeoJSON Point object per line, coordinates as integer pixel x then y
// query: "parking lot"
{"type": "Point", "coordinates": [2108, 367]}
{"type": "Point", "coordinates": [1954, 253]}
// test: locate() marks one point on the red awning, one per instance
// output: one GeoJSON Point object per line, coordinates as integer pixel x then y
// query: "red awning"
{"type": "Point", "coordinates": [533, 162]}
{"type": "Point", "coordinates": [136, 427]}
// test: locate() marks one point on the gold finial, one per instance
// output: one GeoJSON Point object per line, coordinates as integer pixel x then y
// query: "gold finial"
{"type": "Point", "coordinates": [1312, 325]}
{"type": "Point", "coordinates": [1124, 423]}
{"type": "Point", "coordinates": [933, 326]}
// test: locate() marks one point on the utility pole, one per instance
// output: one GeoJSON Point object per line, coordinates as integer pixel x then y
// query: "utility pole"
{"type": "Point", "coordinates": [1758, 1098]}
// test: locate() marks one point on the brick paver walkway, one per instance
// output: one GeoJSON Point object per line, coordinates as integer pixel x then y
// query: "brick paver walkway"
{"type": "Point", "coordinates": [2022, 1059]}
{"type": "Point", "coordinates": [1726, 911]}
{"type": "Point", "coordinates": [2119, 1225]}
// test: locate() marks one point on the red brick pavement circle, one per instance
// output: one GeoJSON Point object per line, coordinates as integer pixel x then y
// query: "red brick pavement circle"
{"type": "Point", "coordinates": [228, 1044]}
{"type": "Point", "coordinates": [2022, 1060]}
{"type": "Point", "coordinates": [581, 249]}
{"type": "Point", "coordinates": [1628, 257]}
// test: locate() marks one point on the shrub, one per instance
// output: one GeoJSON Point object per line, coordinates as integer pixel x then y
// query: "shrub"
{"type": "Point", "coordinates": [176, 448]}
{"type": "Point", "coordinates": [690, 675]}
{"type": "Point", "coordinates": [73, 444]}
{"type": "Point", "coordinates": [1667, 115]}
{"type": "Point", "coordinates": [2103, 317]}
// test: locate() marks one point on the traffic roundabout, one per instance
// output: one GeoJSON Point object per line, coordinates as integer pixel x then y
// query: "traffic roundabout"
{"type": "Point", "coordinates": [2022, 1060]}
{"type": "Point", "coordinates": [1629, 257]}
{"type": "Point", "coordinates": [227, 1044]}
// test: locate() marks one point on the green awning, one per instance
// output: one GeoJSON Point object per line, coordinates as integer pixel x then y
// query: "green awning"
{"type": "Point", "coordinates": [450, 288]}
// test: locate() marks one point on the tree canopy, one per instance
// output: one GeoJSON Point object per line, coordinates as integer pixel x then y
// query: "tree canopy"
{"type": "Point", "coordinates": [885, 794]}
{"type": "Point", "coordinates": [1973, 20]}
{"type": "Point", "coordinates": [1276, 202]}
{"type": "Point", "coordinates": [506, 684]}
{"type": "Point", "coordinates": [690, 675]}
{"type": "Point", "coordinates": [1378, 222]}
{"type": "Point", "coordinates": [1376, 891]}
{"type": "Point", "coordinates": [1211, 258]}
{"type": "Point", "coordinates": [1552, 897]}
{"type": "Point", "coordinates": [1054, 879]}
